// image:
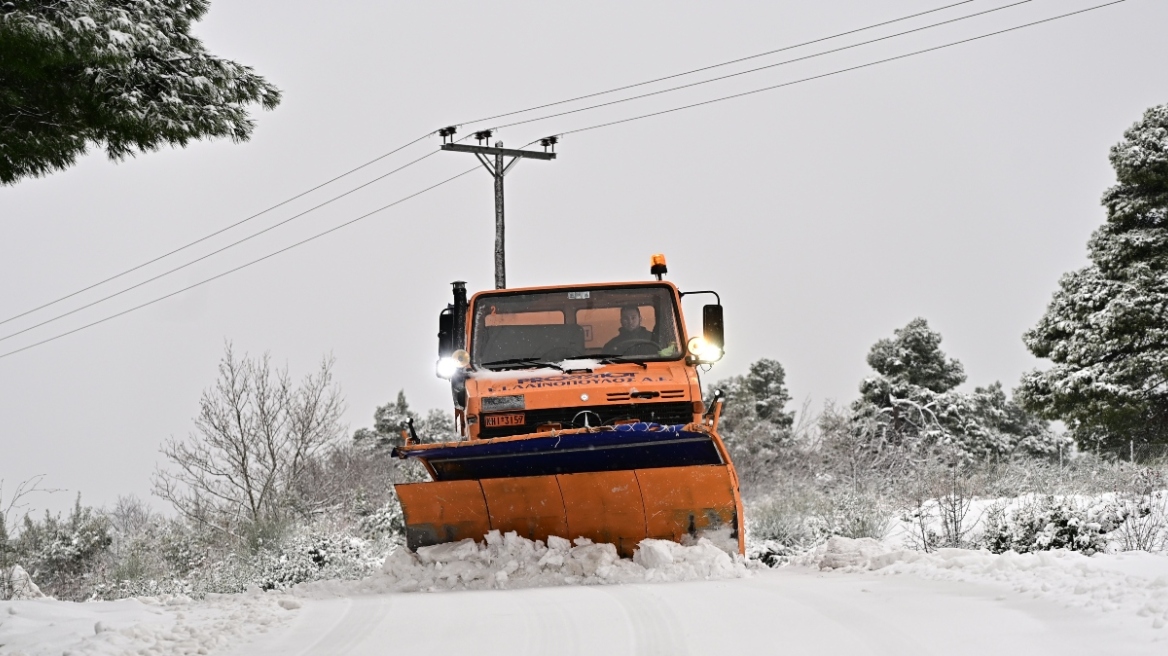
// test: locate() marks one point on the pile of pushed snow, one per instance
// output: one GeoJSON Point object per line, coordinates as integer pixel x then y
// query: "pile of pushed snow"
{"type": "Point", "coordinates": [1134, 582]}
{"type": "Point", "coordinates": [19, 584]}
{"type": "Point", "coordinates": [511, 561]}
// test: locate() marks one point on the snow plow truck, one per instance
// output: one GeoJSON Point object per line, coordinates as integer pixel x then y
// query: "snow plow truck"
{"type": "Point", "coordinates": [581, 415]}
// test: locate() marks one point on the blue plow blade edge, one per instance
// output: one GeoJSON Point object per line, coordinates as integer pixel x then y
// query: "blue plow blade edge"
{"type": "Point", "coordinates": [623, 447]}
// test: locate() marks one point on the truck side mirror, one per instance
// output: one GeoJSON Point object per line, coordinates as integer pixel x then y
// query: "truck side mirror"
{"type": "Point", "coordinates": [713, 331]}
{"type": "Point", "coordinates": [446, 332]}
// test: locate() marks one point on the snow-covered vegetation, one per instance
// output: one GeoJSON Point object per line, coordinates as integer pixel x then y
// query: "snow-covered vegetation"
{"type": "Point", "coordinates": [271, 495]}
{"type": "Point", "coordinates": [956, 471]}
{"type": "Point", "coordinates": [1105, 329]}
{"type": "Point", "coordinates": [268, 493]}
{"type": "Point", "coordinates": [916, 463]}
{"type": "Point", "coordinates": [936, 467]}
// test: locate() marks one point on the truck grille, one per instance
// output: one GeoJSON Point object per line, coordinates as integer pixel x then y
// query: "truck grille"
{"type": "Point", "coordinates": [661, 413]}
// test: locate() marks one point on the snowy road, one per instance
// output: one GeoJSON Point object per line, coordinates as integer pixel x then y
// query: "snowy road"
{"type": "Point", "coordinates": [788, 611]}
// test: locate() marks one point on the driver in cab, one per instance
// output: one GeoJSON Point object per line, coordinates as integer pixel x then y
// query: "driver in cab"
{"type": "Point", "coordinates": [631, 331]}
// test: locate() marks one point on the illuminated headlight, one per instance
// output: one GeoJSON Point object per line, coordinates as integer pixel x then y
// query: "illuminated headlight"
{"type": "Point", "coordinates": [702, 350]}
{"type": "Point", "coordinates": [445, 367]}
{"type": "Point", "coordinates": [448, 366]}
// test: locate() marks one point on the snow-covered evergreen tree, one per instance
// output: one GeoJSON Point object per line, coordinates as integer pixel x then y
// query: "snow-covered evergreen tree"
{"type": "Point", "coordinates": [755, 424]}
{"type": "Point", "coordinates": [1106, 329]}
{"type": "Point", "coordinates": [910, 360]}
{"type": "Point", "coordinates": [392, 418]}
{"type": "Point", "coordinates": [913, 402]}
{"type": "Point", "coordinates": [128, 75]}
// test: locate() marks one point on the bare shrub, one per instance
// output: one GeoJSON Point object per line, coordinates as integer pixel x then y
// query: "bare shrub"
{"type": "Point", "coordinates": [256, 435]}
{"type": "Point", "coordinates": [350, 478]}
{"type": "Point", "coordinates": [939, 502]}
{"type": "Point", "coordinates": [1143, 507]}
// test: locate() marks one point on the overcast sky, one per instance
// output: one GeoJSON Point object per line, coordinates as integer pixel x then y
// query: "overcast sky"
{"type": "Point", "coordinates": [956, 185]}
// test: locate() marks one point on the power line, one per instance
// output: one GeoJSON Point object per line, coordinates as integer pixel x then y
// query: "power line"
{"type": "Point", "coordinates": [763, 68]}
{"type": "Point", "coordinates": [428, 134]}
{"type": "Point", "coordinates": [212, 253]}
{"type": "Point", "coordinates": [238, 268]}
{"type": "Point", "coordinates": [217, 232]}
{"type": "Point", "coordinates": [578, 130]}
{"type": "Point", "coordinates": [725, 63]}
{"type": "Point", "coordinates": [837, 72]}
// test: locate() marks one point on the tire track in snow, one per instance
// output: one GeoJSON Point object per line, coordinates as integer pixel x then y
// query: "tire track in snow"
{"type": "Point", "coordinates": [655, 627]}
{"type": "Point", "coordinates": [550, 629]}
{"type": "Point", "coordinates": [348, 634]}
{"type": "Point", "coordinates": [883, 638]}
{"type": "Point", "coordinates": [359, 622]}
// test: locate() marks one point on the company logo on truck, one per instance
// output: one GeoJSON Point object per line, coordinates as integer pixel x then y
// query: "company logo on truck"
{"type": "Point", "coordinates": [573, 380]}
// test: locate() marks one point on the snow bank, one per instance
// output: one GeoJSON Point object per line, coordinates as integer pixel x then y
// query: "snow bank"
{"type": "Point", "coordinates": [179, 625]}
{"type": "Point", "coordinates": [1131, 582]}
{"type": "Point", "coordinates": [510, 561]}
{"type": "Point", "coordinates": [21, 586]}
{"type": "Point", "coordinates": [145, 625]}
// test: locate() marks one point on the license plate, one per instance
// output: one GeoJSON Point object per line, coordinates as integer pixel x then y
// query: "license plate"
{"type": "Point", "coordinates": [513, 419]}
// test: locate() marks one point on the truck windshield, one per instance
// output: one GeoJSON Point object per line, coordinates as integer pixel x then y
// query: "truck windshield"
{"type": "Point", "coordinates": [618, 323]}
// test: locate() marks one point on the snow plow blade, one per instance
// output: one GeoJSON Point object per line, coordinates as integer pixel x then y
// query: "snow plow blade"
{"type": "Point", "coordinates": [616, 486]}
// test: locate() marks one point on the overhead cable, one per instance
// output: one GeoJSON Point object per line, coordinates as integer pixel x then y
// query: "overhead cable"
{"type": "Point", "coordinates": [212, 253]}
{"type": "Point", "coordinates": [217, 232]}
{"type": "Point", "coordinates": [238, 268]}
{"type": "Point", "coordinates": [763, 68]}
{"type": "Point", "coordinates": [428, 134]}
{"type": "Point", "coordinates": [837, 72]}
{"type": "Point", "coordinates": [720, 65]}
{"type": "Point", "coordinates": [585, 129]}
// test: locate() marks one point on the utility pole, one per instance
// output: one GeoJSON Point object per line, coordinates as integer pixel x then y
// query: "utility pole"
{"type": "Point", "coordinates": [492, 160]}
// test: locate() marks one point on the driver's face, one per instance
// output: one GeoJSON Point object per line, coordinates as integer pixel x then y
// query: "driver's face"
{"type": "Point", "coordinates": [630, 319]}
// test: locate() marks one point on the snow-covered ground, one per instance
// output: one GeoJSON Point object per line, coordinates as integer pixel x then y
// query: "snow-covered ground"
{"type": "Point", "coordinates": [509, 596]}
{"type": "Point", "coordinates": [146, 625]}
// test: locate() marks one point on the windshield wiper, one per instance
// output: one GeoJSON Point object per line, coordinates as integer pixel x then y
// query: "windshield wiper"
{"type": "Point", "coordinates": [532, 362]}
{"type": "Point", "coordinates": [617, 358]}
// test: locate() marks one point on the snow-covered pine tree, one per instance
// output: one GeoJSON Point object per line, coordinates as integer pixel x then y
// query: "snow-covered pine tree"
{"type": "Point", "coordinates": [911, 359]}
{"type": "Point", "coordinates": [759, 396]}
{"type": "Point", "coordinates": [755, 425]}
{"type": "Point", "coordinates": [913, 402]}
{"type": "Point", "coordinates": [391, 419]}
{"type": "Point", "coordinates": [1106, 329]}
{"type": "Point", "coordinates": [126, 75]}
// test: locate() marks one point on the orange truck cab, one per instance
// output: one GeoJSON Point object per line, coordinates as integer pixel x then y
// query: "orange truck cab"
{"type": "Point", "coordinates": [582, 416]}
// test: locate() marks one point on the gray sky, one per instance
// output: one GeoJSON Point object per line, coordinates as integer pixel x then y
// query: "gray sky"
{"type": "Point", "coordinates": [957, 185]}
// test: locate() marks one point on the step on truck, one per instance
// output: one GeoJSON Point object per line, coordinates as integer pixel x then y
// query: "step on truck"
{"type": "Point", "coordinates": [581, 414]}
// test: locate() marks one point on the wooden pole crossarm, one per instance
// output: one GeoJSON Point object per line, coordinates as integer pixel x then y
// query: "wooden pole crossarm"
{"type": "Point", "coordinates": [506, 152]}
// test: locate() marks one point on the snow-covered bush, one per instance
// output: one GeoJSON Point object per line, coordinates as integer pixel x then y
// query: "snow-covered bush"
{"type": "Point", "coordinates": [1144, 525]}
{"type": "Point", "coordinates": [791, 523]}
{"type": "Point", "coordinates": [1046, 522]}
{"type": "Point", "coordinates": [316, 556]}
{"type": "Point", "coordinates": [1142, 507]}
{"type": "Point", "coordinates": [60, 553]}
{"type": "Point", "coordinates": [386, 523]}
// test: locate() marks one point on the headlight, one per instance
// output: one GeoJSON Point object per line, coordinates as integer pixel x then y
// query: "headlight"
{"type": "Point", "coordinates": [702, 350]}
{"type": "Point", "coordinates": [448, 366]}
{"type": "Point", "coordinates": [445, 367]}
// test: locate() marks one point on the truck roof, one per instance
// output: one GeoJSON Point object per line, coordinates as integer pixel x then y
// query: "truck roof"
{"type": "Point", "coordinates": [594, 285]}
